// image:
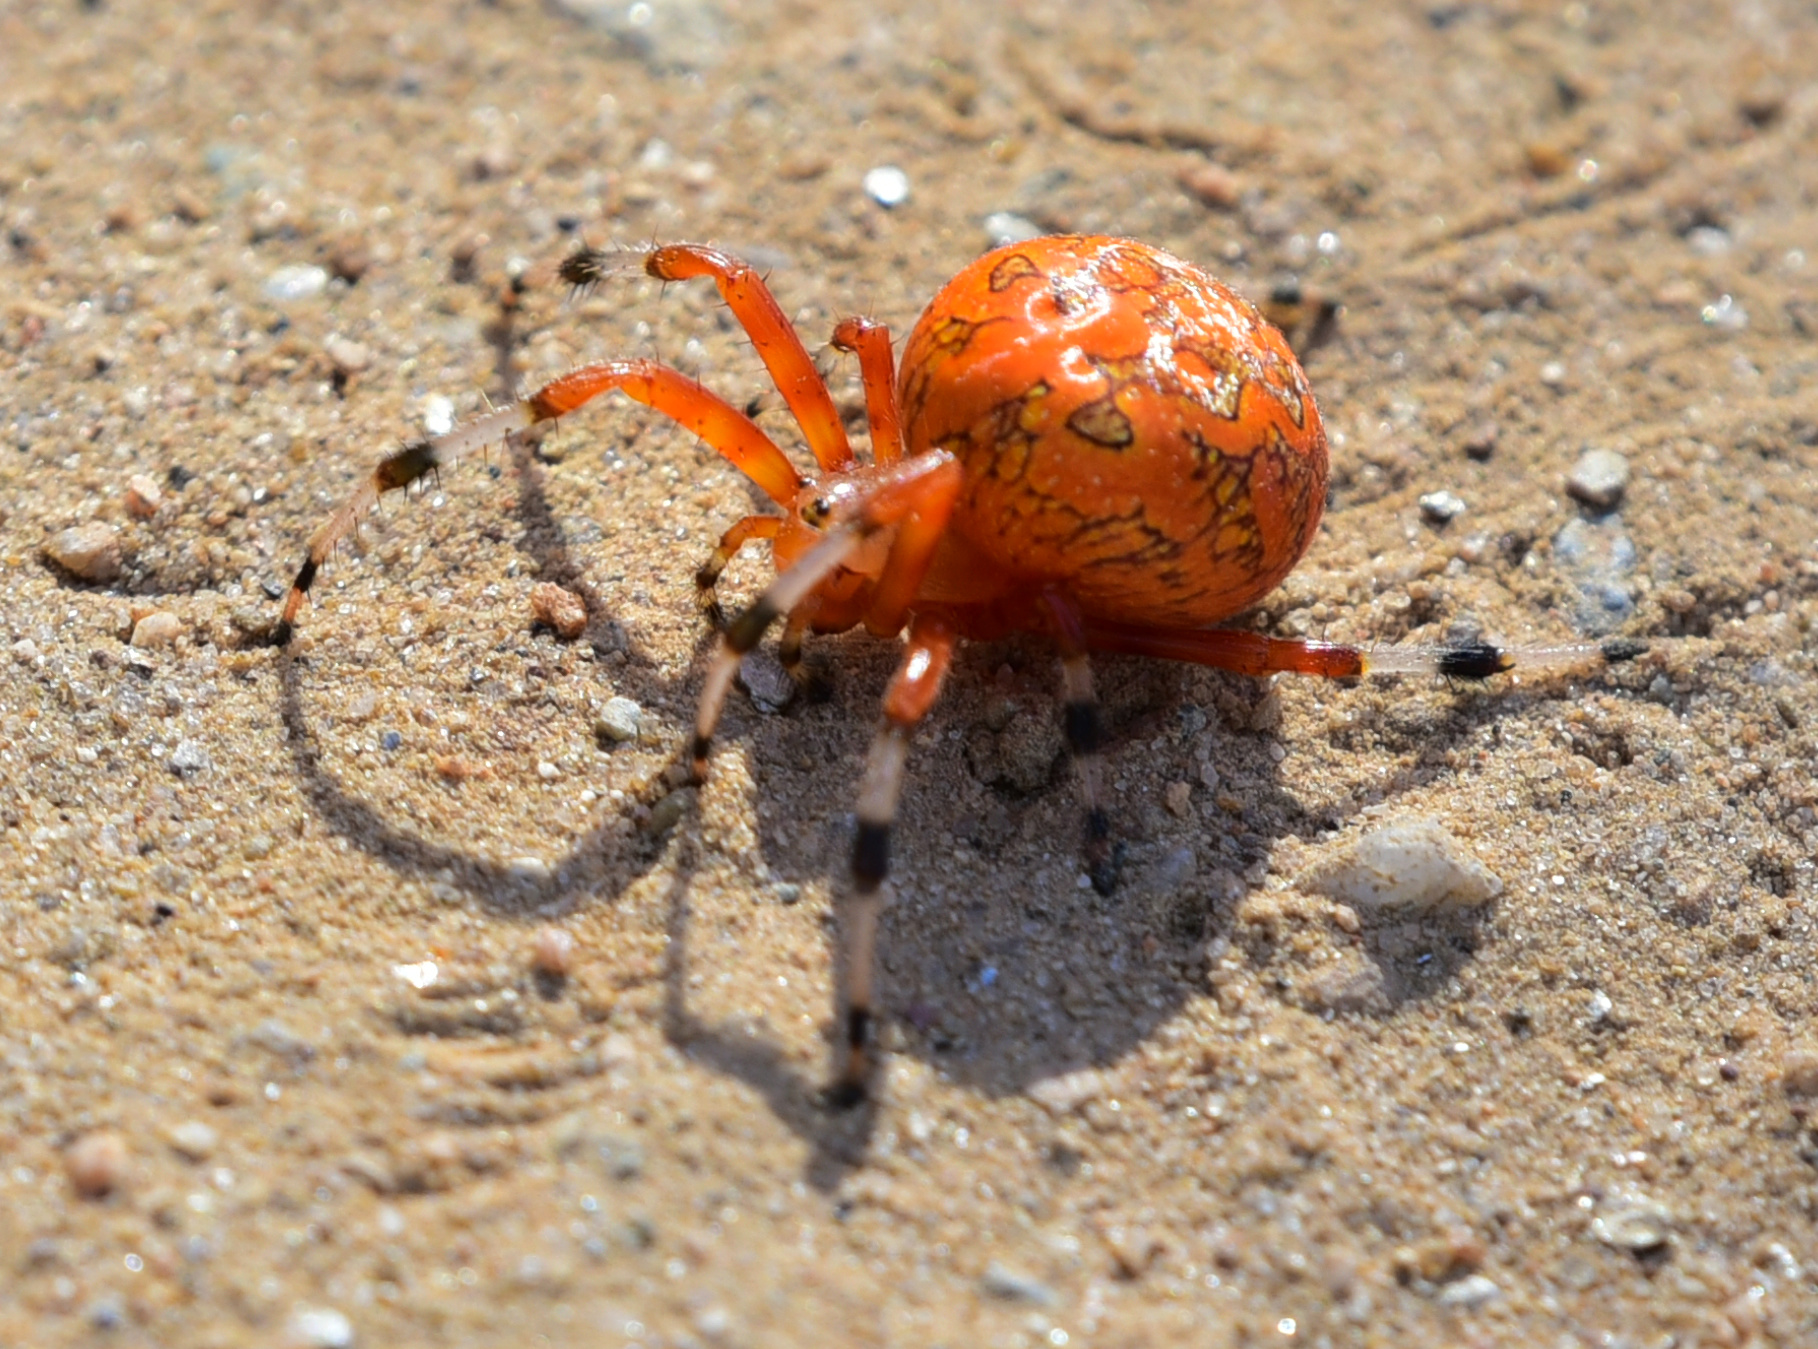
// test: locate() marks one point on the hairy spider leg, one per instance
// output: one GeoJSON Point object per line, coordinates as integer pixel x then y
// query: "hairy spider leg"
{"type": "Point", "coordinates": [913, 689]}
{"type": "Point", "coordinates": [1085, 733]}
{"type": "Point", "coordinates": [1251, 653]}
{"type": "Point", "coordinates": [914, 496]}
{"type": "Point", "coordinates": [871, 340]}
{"type": "Point", "coordinates": [742, 532]}
{"type": "Point", "coordinates": [727, 430]}
{"type": "Point", "coordinates": [773, 335]}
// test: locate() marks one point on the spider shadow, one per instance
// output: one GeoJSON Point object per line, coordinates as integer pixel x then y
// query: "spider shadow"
{"type": "Point", "coordinates": [1000, 967]}
{"type": "Point", "coordinates": [600, 865]}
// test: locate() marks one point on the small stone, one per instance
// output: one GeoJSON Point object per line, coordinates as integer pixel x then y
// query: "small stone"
{"type": "Point", "coordinates": [1637, 1227]}
{"type": "Point", "coordinates": [89, 552]}
{"type": "Point", "coordinates": [189, 759]}
{"type": "Point", "coordinates": [158, 628]}
{"type": "Point", "coordinates": [548, 771]}
{"type": "Point", "coordinates": [766, 680]}
{"type": "Point", "coordinates": [1599, 478]}
{"type": "Point", "coordinates": [618, 720]}
{"type": "Point", "coordinates": [528, 869]}
{"type": "Point", "coordinates": [1009, 1285]}
{"type": "Point", "coordinates": [1442, 507]}
{"type": "Point", "coordinates": [193, 1140]}
{"type": "Point", "coordinates": [1178, 798]}
{"type": "Point", "coordinates": [346, 355]}
{"type": "Point", "coordinates": [1007, 227]}
{"type": "Point", "coordinates": [349, 260]}
{"type": "Point", "coordinates": [557, 608]}
{"type": "Point", "coordinates": [552, 952]}
{"type": "Point", "coordinates": [1413, 864]}
{"type": "Point", "coordinates": [1470, 1293]}
{"type": "Point", "coordinates": [1211, 184]}
{"type": "Point", "coordinates": [320, 1328]}
{"type": "Point", "coordinates": [1553, 374]}
{"type": "Point", "coordinates": [668, 812]}
{"type": "Point", "coordinates": [302, 281]}
{"type": "Point", "coordinates": [25, 651]}
{"type": "Point", "coordinates": [1068, 1092]}
{"type": "Point", "coordinates": [887, 185]}
{"type": "Point", "coordinates": [143, 496]}
{"type": "Point", "coordinates": [1799, 1071]}
{"type": "Point", "coordinates": [1480, 440]}
{"type": "Point", "coordinates": [96, 1163]}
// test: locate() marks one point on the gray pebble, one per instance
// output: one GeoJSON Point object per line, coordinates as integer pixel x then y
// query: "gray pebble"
{"type": "Point", "coordinates": [618, 721]}
{"type": "Point", "coordinates": [189, 759]}
{"type": "Point", "coordinates": [1636, 1227]}
{"type": "Point", "coordinates": [1599, 478]}
{"type": "Point", "coordinates": [1442, 507]}
{"type": "Point", "coordinates": [90, 552]}
{"type": "Point", "coordinates": [1600, 557]}
{"type": "Point", "coordinates": [766, 680]}
{"type": "Point", "coordinates": [1009, 1285]}
{"type": "Point", "coordinates": [668, 812]}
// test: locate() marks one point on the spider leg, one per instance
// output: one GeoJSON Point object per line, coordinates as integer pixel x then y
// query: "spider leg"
{"type": "Point", "coordinates": [772, 334]}
{"type": "Point", "coordinates": [1085, 736]}
{"type": "Point", "coordinates": [913, 689]}
{"type": "Point", "coordinates": [1252, 653]}
{"type": "Point", "coordinates": [741, 533]}
{"type": "Point", "coordinates": [734, 435]}
{"type": "Point", "coordinates": [878, 369]}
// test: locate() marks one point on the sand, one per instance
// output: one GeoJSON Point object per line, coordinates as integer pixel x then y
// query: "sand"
{"type": "Point", "coordinates": [380, 994]}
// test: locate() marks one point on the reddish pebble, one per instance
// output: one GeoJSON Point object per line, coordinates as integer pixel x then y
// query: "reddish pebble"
{"type": "Point", "coordinates": [1212, 184]}
{"type": "Point", "coordinates": [558, 608]}
{"type": "Point", "coordinates": [143, 496]}
{"type": "Point", "coordinates": [96, 1163]}
{"type": "Point", "coordinates": [553, 953]}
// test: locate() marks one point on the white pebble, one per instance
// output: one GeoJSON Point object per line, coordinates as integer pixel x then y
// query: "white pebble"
{"type": "Point", "coordinates": [90, 552]}
{"type": "Point", "coordinates": [1068, 1092]}
{"type": "Point", "coordinates": [548, 771]}
{"type": "Point", "coordinates": [192, 1140]}
{"type": "Point", "coordinates": [1412, 864]}
{"type": "Point", "coordinates": [320, 1328]}
{"type": "Point", "coordinates": [298, 282]}
{"type": "Point", "coordinates": [887, 185]}
{"type": "Point", "coordinates": [1469, 1293]}
{"type": "Point", "coordinates": [438, 414]}
{"type": "Point", "coordinates": [189, 759]}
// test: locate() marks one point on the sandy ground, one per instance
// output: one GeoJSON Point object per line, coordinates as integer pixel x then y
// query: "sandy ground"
{"type": "Point", "coordinates": [277, 1065]}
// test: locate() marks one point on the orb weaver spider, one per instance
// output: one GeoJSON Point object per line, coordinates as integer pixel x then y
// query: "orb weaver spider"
{"type": "Point", "coordinates": [1088, 438]}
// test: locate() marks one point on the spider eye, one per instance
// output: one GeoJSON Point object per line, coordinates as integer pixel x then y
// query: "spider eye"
{"type": "Point", "coordinates": [816, 511]}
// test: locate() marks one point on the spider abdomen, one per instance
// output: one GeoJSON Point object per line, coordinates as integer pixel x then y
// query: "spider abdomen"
{"type": "Point", "coordinates": [1130, 429]}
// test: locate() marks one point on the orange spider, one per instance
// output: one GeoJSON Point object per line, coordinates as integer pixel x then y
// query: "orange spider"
{"type": "Point", "coordinates": [1089, 438]}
